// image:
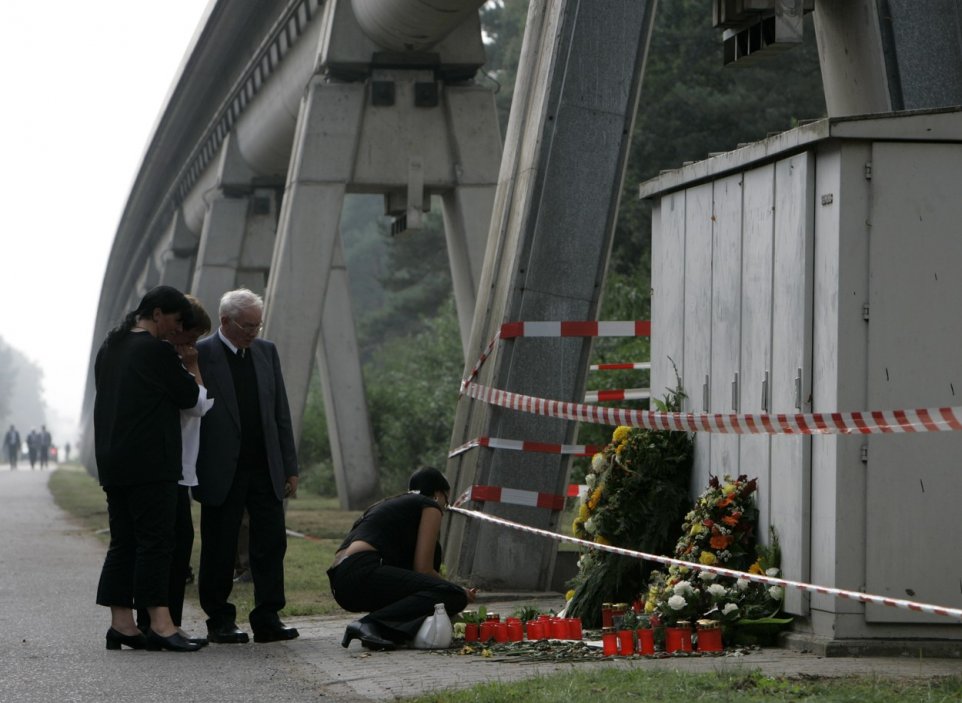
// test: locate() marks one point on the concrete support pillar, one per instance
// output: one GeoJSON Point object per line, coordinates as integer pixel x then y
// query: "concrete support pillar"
{"type": "Point", "coordinates": [577, 89]}
{"type": "Point", "coordinates": [323, 154]}
{"type": "Point", "coordinates": [348, 422]}
{"type": "Point", "coordinates": [475, 144]}
{"type": "Point", "coordinates": [180, 251]}
{"type": "Point", "coordinates": [885, 55]}
{"type": "Point", "coordinates": [220, 248]}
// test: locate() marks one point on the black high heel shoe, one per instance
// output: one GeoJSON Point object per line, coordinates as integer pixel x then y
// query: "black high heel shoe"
{"type": "Point", "coordinates": [116, 639]}
{"type": "Point", "coordinates": [174, 643]}
{"type": "Point", "coordinates": [368, 634]}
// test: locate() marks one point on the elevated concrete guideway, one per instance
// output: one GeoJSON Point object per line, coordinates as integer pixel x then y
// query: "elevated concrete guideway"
{"type": "Point", "coordinates": [277, 112]}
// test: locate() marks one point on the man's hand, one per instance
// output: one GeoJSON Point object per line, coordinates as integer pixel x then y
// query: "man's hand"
{"type": "Point", "coordinates": [290, 487]}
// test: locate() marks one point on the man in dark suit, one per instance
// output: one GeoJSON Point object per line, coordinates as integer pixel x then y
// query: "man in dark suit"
{"type": "Point", "coordinates": [247, 460]}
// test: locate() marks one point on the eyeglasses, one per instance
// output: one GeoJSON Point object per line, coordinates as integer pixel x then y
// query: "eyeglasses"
{"type": "Point", "coordinates": [249, 328]}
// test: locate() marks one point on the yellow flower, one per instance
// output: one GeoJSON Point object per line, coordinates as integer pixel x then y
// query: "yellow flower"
{"type": "Point", "coordinates": [577, 525]}
{"type": "Point", "coordinates": [584, 512]}
{"type": "Point", "coordinates": [707, 558]}
{"type": "Point", "coordinates": [728, 488]}
{"type": "Point", "coordinates": [620, 434]}
{"type": "Point", "coordinates": [601, 539]}
{"type": "Point", "coordinates": [696, 529]}
{"type": "Point", "coordinates": [649, 606]}
{"type": "Point", "coordinates": [595, 497]}
{"type": "Point", "coordinates": [570, 594]}
{"type": "Point", "coordinates": [756, 568]}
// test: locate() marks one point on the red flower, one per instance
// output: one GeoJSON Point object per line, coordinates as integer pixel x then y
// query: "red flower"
{"type": "Point", "coordinates": [721, 541]}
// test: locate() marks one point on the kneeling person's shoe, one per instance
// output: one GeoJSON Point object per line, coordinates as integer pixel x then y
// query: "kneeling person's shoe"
{"type": "Point", "coordinates": [227, 634]}
{"type": "Point", "coordinates": [278, 632]}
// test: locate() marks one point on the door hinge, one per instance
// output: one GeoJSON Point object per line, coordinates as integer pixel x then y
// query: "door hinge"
{"type": "Point", "coordinates": [868, 170]}
{"type": "Point", "coordinates": [865, 311]}
{"type": "Point", "coordinates": [863, 453]}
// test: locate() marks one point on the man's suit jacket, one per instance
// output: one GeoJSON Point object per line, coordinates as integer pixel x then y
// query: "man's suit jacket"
{"type": "Point", "coordinates": [220, 429]}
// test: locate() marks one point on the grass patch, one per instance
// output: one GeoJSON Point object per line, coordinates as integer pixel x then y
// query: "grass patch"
{"type": "Point", "coordinates": [305, 578]}
{"type": "Point", "coordinates": [656, 686]}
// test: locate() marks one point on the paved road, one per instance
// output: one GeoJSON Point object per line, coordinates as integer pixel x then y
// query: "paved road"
{"type": "Point", "coordinates": [52, 638]}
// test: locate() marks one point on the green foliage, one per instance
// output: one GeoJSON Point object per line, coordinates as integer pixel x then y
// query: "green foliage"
{"type": "Point", "coordinates": [638, 494]}
{"type": "Point", "coordinates": [692, 105]}
{"type": "Point", "coordinates": [664, 685]}
{"type": "Point", "coordinates": [314, 453]}
{"type": "Point", "coordinates": [503, 24]}
{"type": "Point", "coordinates": [412, 394]}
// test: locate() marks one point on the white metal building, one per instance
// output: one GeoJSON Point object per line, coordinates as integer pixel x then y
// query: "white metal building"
{"type": "Point", "coordinates": [819, 270]}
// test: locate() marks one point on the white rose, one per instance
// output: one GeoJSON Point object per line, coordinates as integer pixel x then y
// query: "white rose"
{"type": "Point", "coordinates": [590, 525]}
{"type": "Point", "coordinates": [597, 462]}
{"type": "Point", "coordinates": [775, 592]}
{"type": "Point", "coordinates": [717, 590]}
{"type": "Point", "coordinates": [590, 480]}
{"type": "Point", "coordinates": [682, 588]}
{"type": "Point", "coordinates": [677, 602]}
{"type": "Point", "coordinates": [773, 572]}
{"type": "Point", "coordinates": [742, 584]}
{"type": "Point", "coordinates": [706, 575]}
{"type": "Point", "coordinates": [729, 608]}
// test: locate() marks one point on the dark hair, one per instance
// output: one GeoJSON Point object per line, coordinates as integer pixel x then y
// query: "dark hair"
{"type": "Point", "coordinates": [198, 318]}
{"type": "Point", "coordinates": [427, 481]}
{"type": "Point", "coordinates": [167, 298]}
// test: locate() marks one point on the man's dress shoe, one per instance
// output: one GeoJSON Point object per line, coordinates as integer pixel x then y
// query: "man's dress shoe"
{"type": "Point", "coordinates": [174, 643]}
{"type": "Point", "coordinates": [278, 632]}
{"type": "Point", "coordinates": [227, 634]}
{"type": "Point", "coordinates": [368, 634]}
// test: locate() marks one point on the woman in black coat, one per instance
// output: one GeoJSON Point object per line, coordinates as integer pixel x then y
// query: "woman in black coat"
{"type": "Point", "coordinates": [388, 564]}
{"type": "Point", "coordinates": [142, 386]}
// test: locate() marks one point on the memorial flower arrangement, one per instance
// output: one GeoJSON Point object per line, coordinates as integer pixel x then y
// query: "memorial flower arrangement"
{"type": "Point", "coordinates": [718, 531]}
{"type": "Point", "coordinates": [637, 495]}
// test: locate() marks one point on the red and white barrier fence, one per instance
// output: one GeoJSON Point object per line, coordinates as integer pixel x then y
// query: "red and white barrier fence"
{"type": "Point", "coordinates": [617, 394]}
{"type": "Point", "coordinates": [758, 578]}
{"type": "Point", "coordinates": [627, 366]}
{"type": "Point", "coordinates": [583, 328]}
{"type": "Point", "coordinates": [520, 445]}
{"type": "Point", "coordinates": [873, 422]}
{"type": "Point", "coordinates": [512, 496]}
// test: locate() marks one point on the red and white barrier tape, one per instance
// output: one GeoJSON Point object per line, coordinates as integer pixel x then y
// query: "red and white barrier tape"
{"type": "Point", "coordinates": [874, 422]}
{"type": "Point", "coordinates": [617, 394]}
{"type": "Point", "coordinates": [757, 578]}
{"type": "Point", "coordinates": [627, 366]}
{"type": "Point", "coordinates": [527, 446]}
{"type": "Point", "coordinates": [512, 496]}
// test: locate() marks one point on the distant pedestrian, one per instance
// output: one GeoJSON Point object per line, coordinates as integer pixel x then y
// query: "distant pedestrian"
{"type": "Point", "coordinates": [44, 448]}
{"type": "Point", "coordinates": [33, 447]}
{"type": "Point", "coordinates": [66, 451]}
{"type": "Point", "coordinates": [11, 446]}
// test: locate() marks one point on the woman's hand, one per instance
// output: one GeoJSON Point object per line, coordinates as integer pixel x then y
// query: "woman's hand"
{"type": "Point", "coordinates": [471, 593]}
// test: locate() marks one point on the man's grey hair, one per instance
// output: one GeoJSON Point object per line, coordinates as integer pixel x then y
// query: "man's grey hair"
{"type": "Point", "coordinates": [234, 302]}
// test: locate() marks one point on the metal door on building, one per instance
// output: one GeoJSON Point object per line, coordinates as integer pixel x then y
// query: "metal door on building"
{"type": "Point", "coordinates": [914, 481]}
